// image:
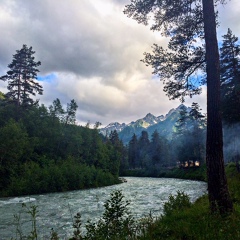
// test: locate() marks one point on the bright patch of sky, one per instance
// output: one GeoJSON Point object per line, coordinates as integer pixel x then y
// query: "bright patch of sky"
{"type": "Point", "coordinates": [103, 8]}
{"type": "Point", "coordinates": [47, 78]}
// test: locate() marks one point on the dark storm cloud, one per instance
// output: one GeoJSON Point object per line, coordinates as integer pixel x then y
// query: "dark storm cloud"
{"type": "Point", "coordinates": [69, 36]}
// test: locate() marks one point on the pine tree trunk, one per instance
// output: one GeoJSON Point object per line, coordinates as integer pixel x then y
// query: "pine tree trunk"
{"type": "Point", "coordinates": [219, 197]}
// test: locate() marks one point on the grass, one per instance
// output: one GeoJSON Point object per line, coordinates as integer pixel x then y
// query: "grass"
{"type": "Point", "coordinates": [196, 223]}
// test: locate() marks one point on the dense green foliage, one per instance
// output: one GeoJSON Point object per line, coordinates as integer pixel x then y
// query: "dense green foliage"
{"type": "Point", "coordinates": [41, 148]}
{"type": "Point", "coordinates": [193, 173]}
{"type": "Point", "coordinates": [42, 153]}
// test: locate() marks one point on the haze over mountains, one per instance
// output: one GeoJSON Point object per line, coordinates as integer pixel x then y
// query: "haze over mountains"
{"type": "Point", "coordinates": [163, 124]}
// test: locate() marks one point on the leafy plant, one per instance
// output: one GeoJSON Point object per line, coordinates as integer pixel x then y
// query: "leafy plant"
{"type": "Point", "coordinates": [77, 228]}
{"type": "Point", "coordinates": [116, 223]}
{"type": "Point", "coordinates": [32, 211]}
{"type": "Point", "coordinates": [176, 203]}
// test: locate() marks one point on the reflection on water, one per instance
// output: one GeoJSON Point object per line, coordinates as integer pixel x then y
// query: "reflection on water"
{"type": "Point", "coordinates": [56, 210]}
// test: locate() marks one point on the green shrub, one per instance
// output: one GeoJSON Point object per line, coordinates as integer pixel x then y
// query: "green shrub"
{"type": "Point", "coordinates": [117, 222]}
{"type": "Point", "coordinates": [176, 203]}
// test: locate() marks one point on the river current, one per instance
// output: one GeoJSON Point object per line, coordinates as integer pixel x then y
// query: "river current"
{"type": "Point", "coordinates": [56, 210]}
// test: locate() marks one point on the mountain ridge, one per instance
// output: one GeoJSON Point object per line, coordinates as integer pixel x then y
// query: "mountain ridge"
{"type": "Point", "coordinates": [163, 124]}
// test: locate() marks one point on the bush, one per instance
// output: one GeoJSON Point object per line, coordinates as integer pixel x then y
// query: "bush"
{"type": "Point", "coordinates": [116, 223]}
{"type": "Point", "coordinates": [176, 203]}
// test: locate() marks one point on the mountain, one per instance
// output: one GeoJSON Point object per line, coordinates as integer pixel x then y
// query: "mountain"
{"type": "Point", "coordinates": [163, 124]}
{"type": "Point", "coordinates": [111, 127]}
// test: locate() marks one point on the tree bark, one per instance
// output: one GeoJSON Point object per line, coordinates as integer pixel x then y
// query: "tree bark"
{"type": "Point", "coordinates": [218, 193]}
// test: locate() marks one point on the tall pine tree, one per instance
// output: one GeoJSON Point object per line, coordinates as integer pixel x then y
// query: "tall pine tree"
{"type": "Point", "coordinates": [186, 23]}
{"type": "Point", "coordinates": [133, 152]}
{"type": "Point", "coordinates": [143, 149]}
{"type": "Point", "coordinates": [230, 90]}
{"type": "Point", "coordinates": [181, 123]}
{"type": "Point", "coordinates": [22, 77]}
{"type": "Point", "coordinates": [230, 77]}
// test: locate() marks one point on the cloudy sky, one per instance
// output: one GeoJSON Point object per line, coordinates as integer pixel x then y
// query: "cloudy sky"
{"type": "Point", "coordinates": [90, 51]}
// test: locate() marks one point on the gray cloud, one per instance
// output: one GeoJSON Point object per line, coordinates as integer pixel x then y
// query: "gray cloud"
{"type": "Point", "coordinates": [94, 50]}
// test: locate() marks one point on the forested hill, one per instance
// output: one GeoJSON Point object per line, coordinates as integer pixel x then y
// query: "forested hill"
{"type": "Point", "coordinates": [42, 149]}
{"type": "Point", "coordinates": [41, 152]}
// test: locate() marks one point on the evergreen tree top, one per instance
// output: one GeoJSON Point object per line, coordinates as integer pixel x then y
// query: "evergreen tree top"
{"type": "Point", "coordinates": [22, 77]}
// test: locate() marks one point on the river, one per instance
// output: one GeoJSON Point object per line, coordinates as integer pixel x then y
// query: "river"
{"type": "Point", "coordinates": [55, 210]}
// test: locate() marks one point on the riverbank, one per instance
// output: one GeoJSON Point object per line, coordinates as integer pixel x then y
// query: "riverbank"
{"type": "Point", "coordinates": [193, 173]}
{"type": "Point", "coordinates": [61, 177]}
{"type": "Point", "coordinates": [196, 222]}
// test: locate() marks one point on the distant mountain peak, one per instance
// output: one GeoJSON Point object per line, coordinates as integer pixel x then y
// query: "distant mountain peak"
{"type": "Point", "coordinates": [163, 124]}
{"type": "Point", "coordinates": [181, 106]}
{"type": "Point", "coordinates": [149, 115]}
{"type": "Point", "coordinates": [111, 127]}
{"type": "Point", "coordinates": [173, 110]}
{"type": "Point", "coordinates": [113, 124]}
{"type": "Point", "coordinates": [150, 119]}
{"type": "Point", "coordinates": [161, 117]}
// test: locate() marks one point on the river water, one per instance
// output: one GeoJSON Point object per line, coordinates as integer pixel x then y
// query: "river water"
{"type": "Point", "coordinates": [56, 210]}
